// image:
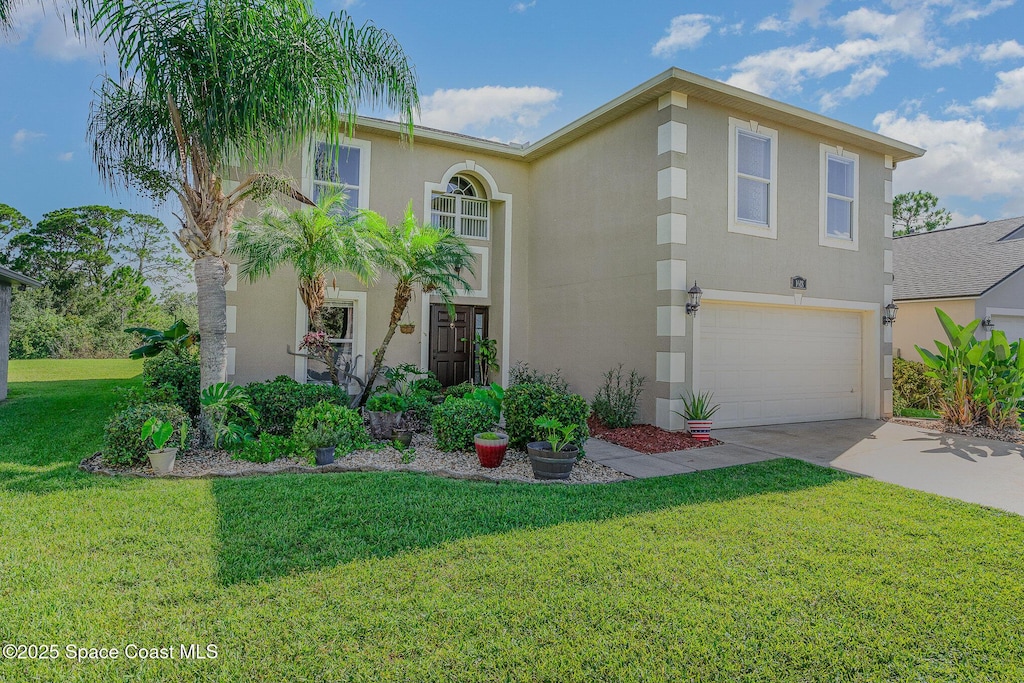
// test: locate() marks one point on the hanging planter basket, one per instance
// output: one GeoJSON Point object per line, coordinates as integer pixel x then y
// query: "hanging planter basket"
{"type": "Point", "coordinates": [407, 328]}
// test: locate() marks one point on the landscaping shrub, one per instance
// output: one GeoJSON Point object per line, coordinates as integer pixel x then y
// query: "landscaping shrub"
{"type": "Point", "coordinates": [267, 448]}
{"type": "Point", "coordinates": [458, 420]}
{"type": "Point", "coordinates": [459, 390]}
{"type": "Point", "coordinates": [912, 387]}
{"type": "Point", "coordinates": [524, 403]}
{"type": "Point", "coordinates": [419, 411]}
{"type": "Point", "coordinates": [345, 426]}
{"type": "Point", "coordinates": [616, 402]}
{"type": "Point", "coordinates": [122, 440]}
{"type": "Point", "coordinates": [522, 373]}
{"type": "Point", "coordinates": [280, 399]}
{"type": "Point", "coordinates": [180, 372]}
{"type": "Point", "coordinates": [428, 386]}
{"type": "Point", "coordinates": [386, 403]}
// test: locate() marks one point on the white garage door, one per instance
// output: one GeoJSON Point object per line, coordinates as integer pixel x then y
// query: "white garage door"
{"type": "Point", "coordinates": [1012, 325]}
{"type": "Point", "coordinates": [772, 365]}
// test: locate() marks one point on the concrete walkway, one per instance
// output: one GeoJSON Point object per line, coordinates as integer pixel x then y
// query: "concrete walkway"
{"type": "Point", "coordinates": [971, 469]}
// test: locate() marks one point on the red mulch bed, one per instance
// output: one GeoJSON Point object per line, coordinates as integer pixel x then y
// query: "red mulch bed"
{"type": "Point", "coordinates": [646, 438]}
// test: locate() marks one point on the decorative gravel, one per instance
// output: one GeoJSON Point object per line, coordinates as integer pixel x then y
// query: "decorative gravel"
{"type": "Point", "coordinates": [425, 458]}
{"type": "Point", "coordinates": [980, 431]}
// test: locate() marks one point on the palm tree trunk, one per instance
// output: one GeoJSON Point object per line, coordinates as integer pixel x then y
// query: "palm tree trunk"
{"type": "Point", "coordinates": [402, 295]}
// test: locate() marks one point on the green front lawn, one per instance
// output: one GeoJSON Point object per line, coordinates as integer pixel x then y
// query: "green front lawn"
{"type": "Point", "coordinates": [773, 571]}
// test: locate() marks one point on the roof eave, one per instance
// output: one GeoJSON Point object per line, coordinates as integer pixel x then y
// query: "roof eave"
{"type": "Point", "coordinates": [10, 277]}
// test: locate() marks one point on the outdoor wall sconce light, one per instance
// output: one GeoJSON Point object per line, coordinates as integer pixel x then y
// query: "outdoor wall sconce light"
{"type": "Point", "coordinates": [889, 317]}
{"type": "Point", "coordinates": [694, 294]}
{"type": "Point", "coordinates": [987, 323]}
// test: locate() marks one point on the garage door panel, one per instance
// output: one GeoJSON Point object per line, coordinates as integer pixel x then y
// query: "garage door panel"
{"type": "Point", "coordinates": [771, 365]}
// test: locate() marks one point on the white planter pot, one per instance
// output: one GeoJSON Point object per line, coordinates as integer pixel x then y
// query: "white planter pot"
{"type": "Point", "coordinates": [162, 460]}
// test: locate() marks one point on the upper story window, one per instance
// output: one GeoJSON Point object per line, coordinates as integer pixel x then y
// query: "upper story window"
{"type": "Point", "coordinates": [839, 198]}
{"type": "Point", "coordinates": [463, 208]}
{"type": "Point", "coordinates": [753, 170]}
{"type": "Point", "coordinates": [340, 168]}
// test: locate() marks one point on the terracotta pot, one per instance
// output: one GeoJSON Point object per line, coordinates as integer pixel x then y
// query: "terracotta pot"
{"type": "Point", "coordinates": [699, 429]}
{"type": "Point", "coordinates": [491, 452]}
{"type": "Point", "coordinates": [550, 465]}
{"type": "Point", "coordinates": [162, 460]}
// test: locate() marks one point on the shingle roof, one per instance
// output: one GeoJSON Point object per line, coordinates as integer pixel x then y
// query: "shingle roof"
{"type": "Point", "coordinates": [963, 261]}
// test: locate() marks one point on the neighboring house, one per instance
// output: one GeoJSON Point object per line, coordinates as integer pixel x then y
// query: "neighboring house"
{"type": "Point", "coordinates": [971, 272]}
{"type": "Point", "coordinates": [8, 279]}
{"type": "Point", "coordinates": [588, 240]}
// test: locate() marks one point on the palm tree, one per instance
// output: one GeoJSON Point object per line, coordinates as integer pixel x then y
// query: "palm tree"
{"type": "Point", "coordinates": [415, 254]}
{"type": "Point", "coordinates": [209, 84]}
{"type": "Point", "coordinates": [314, 241]}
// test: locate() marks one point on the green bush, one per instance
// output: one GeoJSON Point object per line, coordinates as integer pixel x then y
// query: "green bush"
{"type": "Point", "coordinates": [459, 390]}
{"type": "Point", "coordinates": [526, 402]}
{"type": "Point", "coordinates": [278, 401]}
{"type": "Point", "coordinates": [419, 411]}
{"type": "Point", "coordinates": [267, 448]}
{"type": "Point", "coordinates": [458, 420]}
{"type": "Point", "coordinates": [180, 372]}
{"type": "Point", "coordinates": [912, 387]}
{"type": "Point", "coordinates": [122, 439]}
{"type": "Point", "coordinates": [386, 403]}
{"type": "Point", "coordinates": [522, 373]}
{"type": "Point", "coordinates": [429, 386]}
{"type": "Point", "coordinates": [616, 402]}
{"type": "Point", "coordinates": [335, 423]}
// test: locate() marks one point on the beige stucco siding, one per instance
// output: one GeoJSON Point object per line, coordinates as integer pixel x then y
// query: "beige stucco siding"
{"type": "Point", "coordinates": [918, 325]}
{"type": "Point", "coordinates": [592, 255]}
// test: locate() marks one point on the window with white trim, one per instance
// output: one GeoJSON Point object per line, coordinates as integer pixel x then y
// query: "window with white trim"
{"type": "Point", "coordinates": [338, 318]}
{"type": "Point", "coordinates": [463, 208]}
{"type": "Point", "coordinates": [753, 169]}
{"type": "Point", "coordinates": [838, 196]}
{"type": "Point", "coordinates": [340, 168]}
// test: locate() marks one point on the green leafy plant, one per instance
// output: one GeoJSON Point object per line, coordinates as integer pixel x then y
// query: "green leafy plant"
{"type": "Point", "coordinates": [486, 355]}
{"type": "Point", "coordinates": [401, 379]}
{"type": "Point", "coordinates": [490, 436]}
{"type": "Point", "coordinates": [492, 397]}
{"type": "Point", "coordinates": [459, 390]}
{"type": "Point", "coordinates": [386, 403]}
{"type": "Point", "coordinates": [522, 373]}
{"type": "Point", "coordinates": [698, 406]}
{"type": "Point", "coordinates": [221, 402]}
{"type": "Point", "coordinates": [267, 448]}
{"type": "Point", "coordinates": [121, 443]}
{"type": "Point", "coordinates": [177, 339]}
{"type": "Point", "coordinates": [526, 402]}
{"type": "Point", "coordinates": [277, 401]}
{"type": "Point", "coordinates": [458, 420]}
{"type": "Point", "coordinates": [419, 410]}
{"type": "Point", "coordinates": [616, 401]}
{"type": "Point", "coordinates": [160, 432]}
{"type": "Point", "coordinates": [429, 386]}
{"type": "Point", "coordinates": [554, 432]}
{"type": "Point", "coordinates": [328, 424]}
{"type": "Point", "coordinates": [180, 372]}
{"type": "Point", "coordinates": [913, 387]}
{"type": "Point", "coordinates": [953, 368]}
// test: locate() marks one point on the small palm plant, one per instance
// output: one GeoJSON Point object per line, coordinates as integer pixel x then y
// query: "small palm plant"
{"type": "Point", "coordinates": [698, 406]}
{"type": "Point", "coordinates": [415, 254]}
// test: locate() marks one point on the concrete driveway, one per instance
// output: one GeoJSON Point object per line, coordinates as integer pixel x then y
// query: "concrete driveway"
{"type": "Point", "coordinates": [971, 469]}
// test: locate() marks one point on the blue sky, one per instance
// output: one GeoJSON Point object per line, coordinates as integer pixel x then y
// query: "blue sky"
{"type": "Point", "coordinates": [947, 75]}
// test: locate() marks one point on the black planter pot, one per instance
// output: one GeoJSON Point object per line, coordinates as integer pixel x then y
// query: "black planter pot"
{"type": "Point", "coordinates": [325, 455]}
{"type": "Point", "coordinates": [550, 465]}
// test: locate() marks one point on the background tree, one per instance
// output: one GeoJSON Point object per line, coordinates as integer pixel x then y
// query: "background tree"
{"type": "Point", "coordinates": [204, 83]}
{"type": "Point", "coordinates": [12, 222]}
{"type": "Point", "coordinates": [415, 254]}
{"type": "Point", "coordinates": [148, 246]}
{"type": "Point", "coordinates": [919, 211]}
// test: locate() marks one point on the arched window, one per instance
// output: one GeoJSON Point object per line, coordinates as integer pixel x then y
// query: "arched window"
{"type": "Point", "coordinates": [463, 208]}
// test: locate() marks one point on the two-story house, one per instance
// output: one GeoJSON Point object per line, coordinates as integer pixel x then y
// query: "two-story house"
{"type": "Point", "coordinates": [588, 241]}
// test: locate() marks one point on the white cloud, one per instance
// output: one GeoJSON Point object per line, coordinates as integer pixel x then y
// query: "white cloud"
{"type": "Point", "coordinates": [685, 32]}
{"type": "Point", "coordinates": [997, 52]}
{"type": "Point", "coordinates": [969, 11]}
{"type": "Point", "coordinates": [1008, 93]}
{"type": "Point", "coordinates": [472, 108]}
{"type": "Point", "coordinates": [966, 157]}
{"type": "Point", "coordinates": [24, 137]}
{"type": "Point", "coordinates": [522, 6]}
{"type": "Point", "coordinates": [66, 156]}
{"type": "Point", "coordinates": [807, 10]}
{"type": "Point", "coordinates": [346, 4]}
{"type": "Point", "coordinates": [731, 29]}
{"type": "Point", "coordinates": [861, 83]}
{"type": "Point", "coordinates": [964, 219]}
{"type": "Point", "coordinates": [774, 24]}
{"type": "Point", "coordinates": [51, 33]}
{"type": "Point", "coordinates": [873, 39]}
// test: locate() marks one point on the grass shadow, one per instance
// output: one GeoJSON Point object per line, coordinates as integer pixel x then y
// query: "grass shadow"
{"type": "Point", "coordinates": [273, 526]}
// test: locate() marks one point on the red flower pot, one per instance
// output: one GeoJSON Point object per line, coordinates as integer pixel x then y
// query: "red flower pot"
{"type": "Point", "coordinates": [490, 452]}
{"type": "Point", "coordinates": [700, 429]}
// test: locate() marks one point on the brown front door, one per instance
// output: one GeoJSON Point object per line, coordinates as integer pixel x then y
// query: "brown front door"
{"type": "Point", "coordinates": [451, 358]}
